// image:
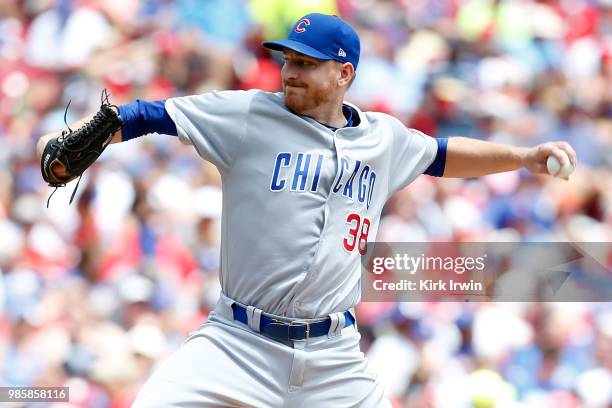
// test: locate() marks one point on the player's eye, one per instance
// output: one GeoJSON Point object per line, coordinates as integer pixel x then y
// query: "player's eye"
{"type": "Point", "coordinates": [297, 62]}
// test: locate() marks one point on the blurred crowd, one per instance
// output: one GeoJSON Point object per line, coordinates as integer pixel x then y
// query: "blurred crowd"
{"type": "Point", "coordinates": [94, 295]}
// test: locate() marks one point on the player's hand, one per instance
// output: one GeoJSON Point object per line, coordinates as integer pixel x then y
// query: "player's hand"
{"type": "Point", "coordinates": [57, 169]}
{"type": "Point", "coordinates": [536, 157]}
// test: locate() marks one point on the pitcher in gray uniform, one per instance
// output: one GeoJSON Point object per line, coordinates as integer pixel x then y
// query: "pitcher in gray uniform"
{"type": "Point", "coordinates": [305, 177]}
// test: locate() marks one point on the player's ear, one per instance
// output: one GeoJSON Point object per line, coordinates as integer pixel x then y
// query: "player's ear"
{"type": "Point", "coordinates": [346, 74]}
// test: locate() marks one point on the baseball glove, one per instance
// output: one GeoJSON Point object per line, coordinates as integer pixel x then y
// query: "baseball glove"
{"type": "Point", "coordinates": [77, 150]}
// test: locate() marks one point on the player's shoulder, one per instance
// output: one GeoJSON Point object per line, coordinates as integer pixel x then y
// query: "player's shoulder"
{"type": "Point", "coordinates": [256, 97]}
{"type": "Point", "coordinates": [394, 127]}
{"type": "Point", "coordinates": [274, 98]}
{"type": "Point", "coordinates": [382, 118]}
{"type": "Point", "coordinates": [387, 123]}
{"type": "Point", "coordinates": [234, 94]}
{"type": "Point", "coordinates": [250, 93]}
{"type": "Point", "coordinates": [232, 100]}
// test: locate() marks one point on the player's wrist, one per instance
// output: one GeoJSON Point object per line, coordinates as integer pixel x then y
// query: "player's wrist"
{"type": "Point", "coordinates": [522, 156]}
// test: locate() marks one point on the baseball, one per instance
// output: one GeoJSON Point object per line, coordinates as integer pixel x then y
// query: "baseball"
{"type": "Point", "coordinates": [556, 169]}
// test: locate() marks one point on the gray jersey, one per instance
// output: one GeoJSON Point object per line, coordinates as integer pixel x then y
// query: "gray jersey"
{"type": "Point", "coordinates": [299, 200]}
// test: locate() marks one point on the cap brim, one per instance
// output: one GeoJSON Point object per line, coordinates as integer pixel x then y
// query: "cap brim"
{"type": "Point", "coordinates": [296, 46]}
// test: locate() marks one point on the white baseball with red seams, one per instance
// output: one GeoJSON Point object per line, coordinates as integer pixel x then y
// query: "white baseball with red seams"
{"type": "Point", "coordinates": [555, 168]}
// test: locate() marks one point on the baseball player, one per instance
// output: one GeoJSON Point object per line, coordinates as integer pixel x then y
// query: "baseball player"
{"type": "Point", "coordinates": [305, 176]}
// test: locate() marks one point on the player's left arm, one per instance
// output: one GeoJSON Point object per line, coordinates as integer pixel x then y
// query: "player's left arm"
{"type": "Point", "coordinates": [138, 118]}
{"type": "Point", "coordinates": [473, 158]}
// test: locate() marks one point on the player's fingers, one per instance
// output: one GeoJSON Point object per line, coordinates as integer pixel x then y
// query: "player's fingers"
{"type": "Point", "coordinates": [571, 153]}
{"type": "Point", "coordinates": [557, 152]}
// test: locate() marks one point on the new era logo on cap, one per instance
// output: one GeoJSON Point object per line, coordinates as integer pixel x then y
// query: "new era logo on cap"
{"type": "Point", "coordinates": [321, 36]}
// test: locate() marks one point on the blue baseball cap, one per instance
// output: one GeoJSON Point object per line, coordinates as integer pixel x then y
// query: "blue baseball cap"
{"type": "Point", "coordinates": [321, 36]}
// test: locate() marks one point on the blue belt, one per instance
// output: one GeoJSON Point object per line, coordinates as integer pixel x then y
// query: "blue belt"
{"type": "Point", "coordinates": [290, 331]}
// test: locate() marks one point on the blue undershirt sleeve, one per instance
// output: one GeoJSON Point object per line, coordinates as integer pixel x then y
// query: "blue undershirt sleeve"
{"type": "Point", "coordinates": [436, 168]}
{"type": "Point", "coordinates": [141, 118]}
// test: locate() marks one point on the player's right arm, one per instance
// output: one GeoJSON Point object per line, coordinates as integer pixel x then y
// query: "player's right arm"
{"type": "Point", "coordinates": [468, 157]}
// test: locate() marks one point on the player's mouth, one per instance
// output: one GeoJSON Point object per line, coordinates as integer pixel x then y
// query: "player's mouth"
{"type": "Point", "coordinates": [294, 86]}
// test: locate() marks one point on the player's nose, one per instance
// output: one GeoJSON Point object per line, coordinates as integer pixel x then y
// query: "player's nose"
{"type": "Point", "coordinates": [289, 73]}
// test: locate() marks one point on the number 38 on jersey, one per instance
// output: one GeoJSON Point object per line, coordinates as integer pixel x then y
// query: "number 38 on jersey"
{"type": "Point", "coordinates": [357, 237]}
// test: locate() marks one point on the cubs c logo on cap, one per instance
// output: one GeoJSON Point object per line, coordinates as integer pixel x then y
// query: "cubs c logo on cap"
{"type": "Point", "coordinates": [300, 26]}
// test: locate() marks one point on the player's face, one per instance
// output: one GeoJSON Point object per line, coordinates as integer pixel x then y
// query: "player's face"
{"type": "Point", "coordinates": [308, 82]}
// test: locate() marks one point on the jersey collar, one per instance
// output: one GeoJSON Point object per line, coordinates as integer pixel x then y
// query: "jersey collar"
{"type": "Point", "coordinates": [348, 114]}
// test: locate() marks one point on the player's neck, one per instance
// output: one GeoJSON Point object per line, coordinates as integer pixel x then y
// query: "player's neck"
{"type": "Point", "coordinates": [328, 115]}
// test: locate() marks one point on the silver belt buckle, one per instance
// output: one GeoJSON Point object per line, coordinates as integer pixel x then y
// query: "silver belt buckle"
{"type": "Point", "coordinates": [299, 323]}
